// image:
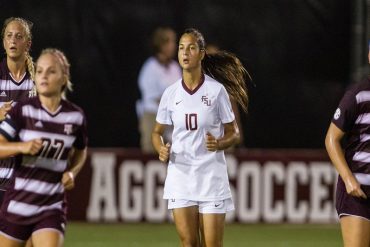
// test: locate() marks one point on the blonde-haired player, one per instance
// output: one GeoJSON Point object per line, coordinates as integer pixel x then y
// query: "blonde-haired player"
{"type": "Point", "coordinates": [48, 133]}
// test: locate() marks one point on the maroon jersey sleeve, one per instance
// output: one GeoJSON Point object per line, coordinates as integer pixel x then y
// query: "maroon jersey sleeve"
{"type": "Point", "coordinates": [81, 136]}
{"type": "Point", "coordinates": [345, 115]}
{"type": "Point", "coordinates": [9, 128]}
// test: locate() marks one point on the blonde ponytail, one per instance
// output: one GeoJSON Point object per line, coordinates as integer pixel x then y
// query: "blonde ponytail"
{"type": "Point", "coordinates": [31, 70]}
{"type": "Point", "coordinates": [30, 66]}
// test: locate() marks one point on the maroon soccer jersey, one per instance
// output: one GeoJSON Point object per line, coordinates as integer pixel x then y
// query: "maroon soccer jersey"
{"type": "Point", "coordinates": [10, 89]}
{"type": "Point", "coordinates": [353, 117]}
{"type": "Point", "coordinates": [35, 189]}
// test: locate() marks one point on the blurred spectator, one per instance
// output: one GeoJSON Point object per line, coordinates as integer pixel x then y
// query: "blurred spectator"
{"type": "Point", "coordinates": [157, 73]}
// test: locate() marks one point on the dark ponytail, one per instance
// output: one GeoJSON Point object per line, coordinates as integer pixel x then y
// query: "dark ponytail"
{"type": "Point", "coordinates": [225, 68]}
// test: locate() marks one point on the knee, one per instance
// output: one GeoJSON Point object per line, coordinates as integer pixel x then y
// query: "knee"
{"type": "Point", "coordinates": [213, 243]}
{"type": "Point", "coordinates": [189, 241]}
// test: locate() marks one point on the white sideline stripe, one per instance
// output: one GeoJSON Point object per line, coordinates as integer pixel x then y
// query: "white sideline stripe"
{"type": "Point", "coordinates": [62, 117]}
{"type": "Point", "coordinates": [8, 128]}
{"type": "Point", "coordinates": [25, 209]}
{"type": "Point", "coordinates": [361, 156]}
{"type": "Point", "coordinates": [37, 186]}
{"type": "Point", "coordinates": [363, 96]}
{"type": "Point", "coordinates": [363, 119]}
{"type": "Point", "coordinates": [6, 172]}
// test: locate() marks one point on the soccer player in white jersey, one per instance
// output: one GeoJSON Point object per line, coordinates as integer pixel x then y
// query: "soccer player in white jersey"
{"type": "Point", "coordinates": [48, 135]}
{"type": "Point", "coordinates": [351, 121]}
{"type": "Point", "coordinates": [199, 108]}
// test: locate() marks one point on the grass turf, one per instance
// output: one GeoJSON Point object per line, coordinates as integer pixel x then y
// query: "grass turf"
{"type": "Point", "coordinates": [236, 235]}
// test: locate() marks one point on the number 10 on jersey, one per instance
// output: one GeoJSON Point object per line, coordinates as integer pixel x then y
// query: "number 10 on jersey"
{"type": "Point", "coordinates": [191, 121]}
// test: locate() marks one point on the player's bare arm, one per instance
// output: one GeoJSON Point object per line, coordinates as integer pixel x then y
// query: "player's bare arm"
{"type": "Point", "coordinates": [4, 109]}
{"type": "Point", "coordinates": [230, 137]}
{"type": "Point", "coordinates": [162, 149]}
{"type": "Point", "coordinates": [334, 149]}
{"type": "Point", "coordinates": [8, 149]}
{"type": "Point", "coordinates": [76, 160]}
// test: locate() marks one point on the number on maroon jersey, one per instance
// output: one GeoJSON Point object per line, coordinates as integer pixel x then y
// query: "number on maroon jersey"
{"type": "Point", "coordinates": [191, 121]}
{"type": "Point", "coordinates": [52, 149]}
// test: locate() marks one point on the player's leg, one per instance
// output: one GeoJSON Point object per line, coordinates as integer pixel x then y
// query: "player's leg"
{"type": "Point", "coordinates": [29, 243]}
{"type": "Point", "coordinates": [212, 229]}
{"type": "Point", "coordinates": [354, 216]}
{"type": "Point", "coordinates": [47, 238]}
{"type": "Point", "coordinates": [49, 232]}
{"type": "Point", "coordinates": [212, 221]}
{"type": "Point", "coordinates": [7, 241]}
{"type": "Point", "coordinates": [187, 225]}
{"type": "Point", "coordinates": [355, 231]}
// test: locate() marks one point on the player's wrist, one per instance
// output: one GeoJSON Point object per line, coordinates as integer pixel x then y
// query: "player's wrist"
{"type": "Point", "coordinates": [71, 175]}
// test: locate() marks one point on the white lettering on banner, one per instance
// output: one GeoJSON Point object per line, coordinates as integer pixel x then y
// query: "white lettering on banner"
{"type": "Point", "coordinates": [131, 197]}
{"type": "Point", "coordinates": [254, 187]}
{"type": "Point", "coordinates": [102, 188]}
{"type": "Point", "coordinates": [249, 202]}
{"type": "Point", "coordinates": [156, 171]}
{"type": "Point", "coordinates": [273, 210]}
{"type": "Point", "coordinates": [320, 211]}
{"type": "Point", "coordinates": [296, 210]}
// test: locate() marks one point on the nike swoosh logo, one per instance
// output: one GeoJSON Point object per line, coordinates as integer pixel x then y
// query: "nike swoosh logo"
{"type": "Point", "coordinates": [178, 102]}
{"type": "Point", "coordinates": [216, 205]}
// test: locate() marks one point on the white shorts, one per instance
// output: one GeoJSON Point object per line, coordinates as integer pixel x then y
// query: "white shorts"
{"type": "Point", "coordinates": [205, 207]}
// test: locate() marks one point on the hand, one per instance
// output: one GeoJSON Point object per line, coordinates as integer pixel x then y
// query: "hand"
{"type": "Point", "coordinates": [353, 187]}
{"type": "Point", "coordinates": [164, 153]}
{"type": "Point", "coordinates": [211, 142]}
{"type": "Point", "coordinates": [68, 180]}
{"type": "Point", "coordinates": [4, 109]}
{"type": "Point", "coordinates": [31, 147]}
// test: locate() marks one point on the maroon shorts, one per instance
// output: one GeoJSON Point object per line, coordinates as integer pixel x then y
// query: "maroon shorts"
{"type": "Point", "coordinates": [23, 232]}
{"type": "Point", "coordinates": [348, 205]}
{"type": "Point", "coordinates": [2, 193]}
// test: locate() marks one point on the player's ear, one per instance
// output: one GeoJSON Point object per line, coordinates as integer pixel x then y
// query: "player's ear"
{"type": "Point", "coordinates": [29, 43]}
{"type": "Point", "coordinates": [64, 83]}
{"type": "Point", "coordinates": [202, 53]}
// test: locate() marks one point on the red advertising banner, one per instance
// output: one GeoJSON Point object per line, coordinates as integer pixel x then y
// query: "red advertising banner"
{"type": "Point", "coordinates": [273, 186]}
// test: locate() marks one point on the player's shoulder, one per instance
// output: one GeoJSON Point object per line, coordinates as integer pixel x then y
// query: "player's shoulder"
{"type": "Point", "coordinates": [69, 106]}
{"type": "Point", "coordinates": [33, 101]}
{"type": "Point", "coordinates": [363, 85]}
{"type": "Point", "coordinates": [213, 84]}
{"type": "Point", "coordinates": [174, 87]}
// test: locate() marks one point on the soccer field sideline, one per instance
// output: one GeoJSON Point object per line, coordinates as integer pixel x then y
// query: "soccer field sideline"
{"type": "Point", "coordinates": [236, 235]}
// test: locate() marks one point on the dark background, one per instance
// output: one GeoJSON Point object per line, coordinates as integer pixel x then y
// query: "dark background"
{"type": "Point", "coordinates": [298, 53]}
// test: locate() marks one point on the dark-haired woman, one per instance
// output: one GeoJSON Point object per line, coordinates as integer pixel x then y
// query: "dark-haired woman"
{"type": "Point", "coordinates": [198, 106]}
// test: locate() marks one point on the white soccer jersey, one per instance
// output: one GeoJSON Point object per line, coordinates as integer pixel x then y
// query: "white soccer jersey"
{"type": "Point", "coordinates": [193, 172]}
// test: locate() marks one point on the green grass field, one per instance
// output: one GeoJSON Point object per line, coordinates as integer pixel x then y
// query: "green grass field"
{"type": "Point", "coordinates": [236, 235]}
